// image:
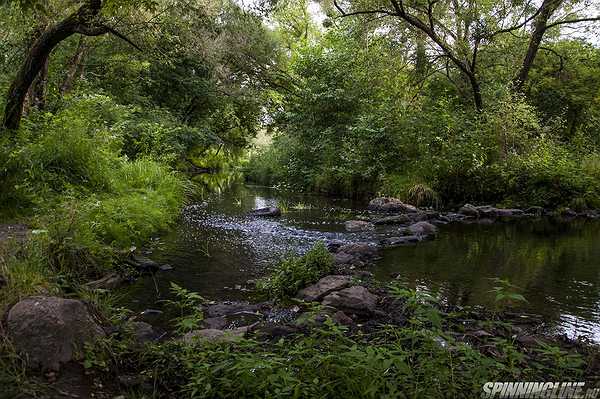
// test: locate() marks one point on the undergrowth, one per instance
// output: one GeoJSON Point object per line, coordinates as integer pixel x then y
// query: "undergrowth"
{"type": "Point", "coordinates": [295, 273]}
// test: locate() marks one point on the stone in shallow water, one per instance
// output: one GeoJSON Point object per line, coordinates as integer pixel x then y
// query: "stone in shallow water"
{"type": "Point", "coordinates": [358, 254]}
{"type": "Point", "coordinates": [423, 229]}
{"type": "Point", "coordinates": [400, 241]}
{"type": "Point", "coordinates": [323, 287]}
{"type": "Point", "coordinates": [358, 225]}
{"type": "Point", "coordinates": [268, 212]}
{"type": "Point", "coordinates": [355, 299]}
{"type": "Point", "coordinates": [51, 331]}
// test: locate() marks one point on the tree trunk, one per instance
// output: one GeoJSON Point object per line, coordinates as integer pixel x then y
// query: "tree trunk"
{"type": "Point", "coordinates": [477, 98]}
{"type": "Point", "coordinates": [39, 90]}
{"type": "Point", "coordinates": [75, 67]}
{"type": "Point", "coordinates": [421, 63]}
{"type": "Point", "coordinates": [547, 8]}
{"type": "Point", "coordinates": [84, 21]}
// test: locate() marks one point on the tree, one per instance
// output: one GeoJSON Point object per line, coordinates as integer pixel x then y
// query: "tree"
{"type": "Point", "coordinates": [86, 20]}
{"type": "Point", "coordinates": [459, 29]}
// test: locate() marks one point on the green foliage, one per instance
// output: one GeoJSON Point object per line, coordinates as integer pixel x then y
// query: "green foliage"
{"type": "Point", "coordinates": [506, 294]}
{"type": "Point", "coordinates": [25, 268]}
{"type": "Point", "coordinates": [188, 306]}
{"type": "Point", "coordinates": [68, 171]}
{"type": "Point", "coordinates": [295, 273]}
{"type": "Point", "coordinates": [329, 363]}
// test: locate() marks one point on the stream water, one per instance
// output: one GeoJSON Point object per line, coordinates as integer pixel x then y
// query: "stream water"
{"type": "Point", "coordinates": [216, 248]}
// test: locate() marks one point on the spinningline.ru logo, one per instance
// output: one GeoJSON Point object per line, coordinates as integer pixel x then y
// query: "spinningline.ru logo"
{"type": "Point", "coordinates": [558, 390]}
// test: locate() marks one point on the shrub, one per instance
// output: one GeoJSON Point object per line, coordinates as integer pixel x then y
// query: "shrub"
{"type": "Point", "coordinates": [296, 273]}
{"type": "Point", "coordinates": [68, 171]}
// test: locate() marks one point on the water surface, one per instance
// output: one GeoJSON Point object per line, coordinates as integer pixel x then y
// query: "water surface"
{"type": "Point", "coordinates": [216, 248]}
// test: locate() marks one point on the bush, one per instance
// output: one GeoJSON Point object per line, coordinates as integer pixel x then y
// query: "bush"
{"type": "Point", "coordinates": [296, 273]}
{"type": "Point", "coordinates": [67, 170]}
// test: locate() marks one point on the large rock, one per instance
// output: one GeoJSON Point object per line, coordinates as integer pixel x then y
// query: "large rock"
{"type": "Point", "coordinates": [357, 254]}
{"type": "Point", "coordinates": [358, 225]}
{"type": "Point", "coordinates": [422, 229]}
{"type": "Point", "coordinates": [323, 287]}
{"type": "Point", "coordinates": [51, 331]}
{"type": "Point", "coordinates": [385, 204]}
{"type": "Point", "coordinates": [268, 212]}
{"type": "Point", "coordinates": [357, 300]}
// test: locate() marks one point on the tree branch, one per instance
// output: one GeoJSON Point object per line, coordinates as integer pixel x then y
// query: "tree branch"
{"type": "Point", "coordinates": [573, 21]}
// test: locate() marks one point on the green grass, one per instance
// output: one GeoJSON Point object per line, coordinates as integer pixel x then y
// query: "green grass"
{"type": "Point", "coordinates": [425, 358]}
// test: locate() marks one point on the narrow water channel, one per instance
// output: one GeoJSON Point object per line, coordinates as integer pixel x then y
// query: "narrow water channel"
{"type": "Point", "coordinates": [216, 248]}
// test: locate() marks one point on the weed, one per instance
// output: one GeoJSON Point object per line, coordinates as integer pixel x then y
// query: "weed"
{"type": "Point", "coordinates": [295, 273]}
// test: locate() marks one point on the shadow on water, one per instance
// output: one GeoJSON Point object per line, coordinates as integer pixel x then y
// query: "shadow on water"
{"type": "Point", "coordinates": [216, 248]}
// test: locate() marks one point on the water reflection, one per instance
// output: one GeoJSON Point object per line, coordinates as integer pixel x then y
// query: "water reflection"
{"type": "Point", "coordinates": [216, 247]}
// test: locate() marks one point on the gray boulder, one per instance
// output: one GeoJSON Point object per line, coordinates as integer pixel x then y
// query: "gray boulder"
{"type": "Point", "coordinates": [51, 331]}
{"type": "Point", "coordinates": [323, 287]}
{"type": "Point", "coordinates": [357, 300]}
{"type": "Point", "coordinates": [385, 204]}
{"type": "Point", "coordinates": [358, 225]}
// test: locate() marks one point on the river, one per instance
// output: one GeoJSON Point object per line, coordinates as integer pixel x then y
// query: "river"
{"type": "Point", "coordinates": [216, 248]}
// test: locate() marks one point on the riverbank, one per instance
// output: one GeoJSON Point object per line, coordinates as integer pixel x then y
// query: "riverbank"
{"type": "Point", "coordinates": [349, 338]}
{"type": "Point", "coordinates": [406, 328]}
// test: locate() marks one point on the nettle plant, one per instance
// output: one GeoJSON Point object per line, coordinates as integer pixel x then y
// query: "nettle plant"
{"type": "Point", "coordinates": [188, 305]}
{"type": "Point", "coordinates": [506, 294]}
